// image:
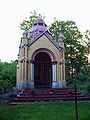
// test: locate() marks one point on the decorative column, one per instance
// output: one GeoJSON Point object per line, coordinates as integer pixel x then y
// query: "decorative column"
{"type": "Point", "coordinates": [61, 71]}
{"type": "Point", "coordinates": [20, 70]}
{"type": "Point", "coordinates": [26, 71]}
{"type": "Point", "coordinates": [54, 74]}
{"type": "Point", "coordinates": [26, 67]}
{"type": "Point", "coordinates": [20, 82]}
{"type": "Point", "coordinates": [23, 83]}
{"type": "Point", "coordinates": [18, 77]}
{"type": "Point", "coordinates": [31, 84]}
{"type": "Point", "coordinates": [62, 82]}
{"type": "Point", "coordinates": [64, 72]}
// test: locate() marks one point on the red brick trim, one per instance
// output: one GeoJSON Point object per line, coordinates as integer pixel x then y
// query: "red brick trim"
{"type": "Point", "coordinates": [32, 61]}
{"type": "Point", "coordinates": [54, 62]}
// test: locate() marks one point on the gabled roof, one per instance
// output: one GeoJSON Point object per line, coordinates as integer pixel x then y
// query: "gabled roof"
{"type": "Point", "coordinates": [47, 34]}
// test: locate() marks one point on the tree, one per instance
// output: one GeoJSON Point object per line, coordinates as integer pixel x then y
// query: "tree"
{"type": "Point", "coordinates": [86, 41]}
{"type": "Point", "coordinates": [74, 50]}
{"type": "Point", "coordinates": [7, 74]}
{"type": "Point", "coordinates": [26, 24]}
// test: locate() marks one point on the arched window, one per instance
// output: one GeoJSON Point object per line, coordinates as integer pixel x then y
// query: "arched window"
{"type": "Point", "coordinates": [41, 24]}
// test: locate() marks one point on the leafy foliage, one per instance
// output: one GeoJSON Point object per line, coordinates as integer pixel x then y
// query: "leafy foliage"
{"type": "Point", "coordinates": [26, 24]}
{"type": "Point", "coordinates": [86, 39]}
{"type": "Point", "coordinates": [7, 74]}
{"type": "Point", "coordinates": [75, 52]}
{"type": "Point", "coordinates": [5, 85]}
{"type": "Point", "coordinates": [88, 88]}
{"type": "Point", "coordinates": [83, 74]}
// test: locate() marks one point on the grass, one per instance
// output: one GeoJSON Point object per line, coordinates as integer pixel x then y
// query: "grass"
{"type": "Point", "coordinates": [56, 110]}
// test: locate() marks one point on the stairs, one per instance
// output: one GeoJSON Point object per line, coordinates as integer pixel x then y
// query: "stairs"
{"type": "Point", "coordinates": [47, 94]}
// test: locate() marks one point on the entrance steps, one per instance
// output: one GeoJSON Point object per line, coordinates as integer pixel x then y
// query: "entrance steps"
{"type": "Point", "coordinates": [46, 94]}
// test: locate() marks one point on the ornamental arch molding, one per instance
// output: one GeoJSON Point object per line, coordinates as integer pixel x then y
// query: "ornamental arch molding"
{"type": "Point", "coordinates": [49, 52]}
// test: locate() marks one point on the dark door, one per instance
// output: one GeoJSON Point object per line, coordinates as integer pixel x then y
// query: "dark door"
{"type": "Point", "coordinates": [42, 70]}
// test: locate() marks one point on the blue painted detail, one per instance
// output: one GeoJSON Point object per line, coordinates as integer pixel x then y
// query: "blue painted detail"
{"type": "Point", "coordinates": [62, 84]}
{"type": "Point", "coordinates": [54, 84]}
{"type": "Point", "coordinates": [59, 84]}
{"type": "Point", "coordinates": [31, 84]}
{"type": "Point", "coordinates": [21, 85]}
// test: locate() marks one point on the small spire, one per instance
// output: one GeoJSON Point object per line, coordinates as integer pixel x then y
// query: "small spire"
{"type": "Point", "coordinates": [25, 31]}
{"type": "Point", "coordinates": [60, 41]}
{"type": "Point", "coordinates": [40, 16]}
{"type": "Point", "coordinates": [61, 37]}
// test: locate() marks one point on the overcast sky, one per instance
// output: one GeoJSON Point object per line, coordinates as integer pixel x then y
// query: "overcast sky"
{"type": "Point", "coordinates": [12, 12]}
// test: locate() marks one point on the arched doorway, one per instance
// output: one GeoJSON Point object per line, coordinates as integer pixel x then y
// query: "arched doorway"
{"type": "Point", "coordinates": [42, 70]}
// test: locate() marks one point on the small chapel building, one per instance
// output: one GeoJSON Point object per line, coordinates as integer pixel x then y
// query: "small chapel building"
{"type": "Point", "coordinates": [41, 60]}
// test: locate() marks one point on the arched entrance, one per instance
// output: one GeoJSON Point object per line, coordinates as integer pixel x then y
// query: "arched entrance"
{"type": "Point", "coordinates": [42, 70]}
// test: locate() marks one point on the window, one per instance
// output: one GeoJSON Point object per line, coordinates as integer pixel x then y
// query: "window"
{"type": "Point", "coordinates": [37, 31]}
{"type": "Point", "coordinates": [45, 25]}
{"type": "Point", "coordinates": [41, 24]}
{"type": "Point", "coordinates": [35, 24]}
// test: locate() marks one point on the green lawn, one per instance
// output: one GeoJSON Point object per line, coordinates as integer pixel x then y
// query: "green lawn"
{"type": "Point", "coordinates": [56, 110]}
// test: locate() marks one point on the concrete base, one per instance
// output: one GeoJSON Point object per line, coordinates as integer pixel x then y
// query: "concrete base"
{"type": "Point", "coordinates": [54, 84]}
{"type": "Point", "coordinates": [62, 84]}
{"type": "Point", "coordinates": [21, 85]}
{"type": "Point", "coordinates": [31, 84]}
{"type": "Point", "coordinates": [58, 84]}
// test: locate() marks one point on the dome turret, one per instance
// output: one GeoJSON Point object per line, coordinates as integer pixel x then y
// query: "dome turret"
{"type": "Point", "coordinates": [39, 25]}
{"type": "Point", "coordinates": [38, 28]}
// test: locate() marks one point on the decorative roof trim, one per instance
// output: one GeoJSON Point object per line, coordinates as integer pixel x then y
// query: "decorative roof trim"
{"type": "Point", "coordinates": [44, 33]}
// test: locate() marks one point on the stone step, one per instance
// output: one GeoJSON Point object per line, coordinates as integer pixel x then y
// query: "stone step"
{"type": "Point", "coordinates": [28, 95]}
{"type": "Point", "coordinates": [47, 99]}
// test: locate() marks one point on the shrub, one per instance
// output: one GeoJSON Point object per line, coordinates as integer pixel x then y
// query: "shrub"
{"type": "Point", "coordinates": [5, 85]}
{"type": "Point", "coordinates": [88, 88]}
{"type": "Point", "coordinates": [81, 77]}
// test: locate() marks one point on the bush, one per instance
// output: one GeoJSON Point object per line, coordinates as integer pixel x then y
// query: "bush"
{"type": "Point", "coordinates": [81, 77]}
{"type": "Point", "coordinates": [88, 88]}
{"type": "Point", "coordinates": [5, 85]}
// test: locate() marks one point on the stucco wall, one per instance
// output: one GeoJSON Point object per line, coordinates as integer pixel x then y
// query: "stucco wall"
{"type": "Point", "coordinates": [44, 42]}
{"type": "Point", "coordinates": [27, 52]}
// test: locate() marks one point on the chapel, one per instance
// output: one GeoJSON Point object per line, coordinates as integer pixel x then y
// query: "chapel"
{"type": "Point", "coordinates": [41, 59]}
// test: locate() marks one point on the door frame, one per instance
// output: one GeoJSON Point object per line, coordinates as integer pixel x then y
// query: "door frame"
{"type": "Point", "coordinates": [42, 70]}
{"type": "Point", "coordinates": [54, 64]}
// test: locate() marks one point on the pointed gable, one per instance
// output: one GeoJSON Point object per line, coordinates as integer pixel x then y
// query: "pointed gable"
{"type": "Point", "coordinates": [48, 40]}
{"type": "Point", "coordinates": [43, 42]}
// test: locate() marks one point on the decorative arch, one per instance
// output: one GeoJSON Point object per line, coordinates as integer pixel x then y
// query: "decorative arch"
{"type": "Point", "coordinates": [49, 52]}
{"type": "Point", "coordinates": [48, 68]}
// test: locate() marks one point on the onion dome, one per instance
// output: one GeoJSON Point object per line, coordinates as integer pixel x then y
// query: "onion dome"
{"type": "Point", "coordinates": [39, 25]}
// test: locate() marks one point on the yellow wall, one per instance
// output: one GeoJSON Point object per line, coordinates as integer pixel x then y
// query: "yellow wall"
{"type": "Point", "coordinates": [44, 42]}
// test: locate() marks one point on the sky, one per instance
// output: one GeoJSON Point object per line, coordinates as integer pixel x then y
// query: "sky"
{"type": "Point", "coordinates": [13, 12]}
